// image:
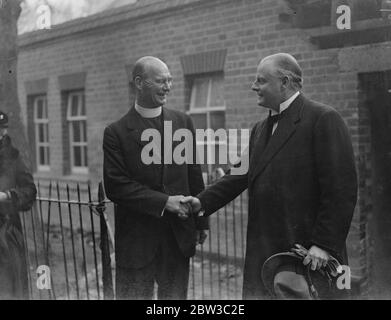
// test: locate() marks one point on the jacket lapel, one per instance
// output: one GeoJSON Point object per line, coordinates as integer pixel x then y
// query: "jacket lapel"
{"type": "Point", "coordinates": [171, 124]}
{"type": "Point", "coordinates": [285, 129]}
{"type": "Point", "coordinates": [136, 127]}
{"type": "Point", "coordinates": [258, 145]}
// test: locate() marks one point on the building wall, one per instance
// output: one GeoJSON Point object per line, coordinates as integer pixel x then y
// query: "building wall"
{"type": "Point", "coordinates": [247, 29]}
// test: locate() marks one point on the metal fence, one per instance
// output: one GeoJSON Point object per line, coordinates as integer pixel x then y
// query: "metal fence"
{"type": "Point", "coordinates": [70, 230]}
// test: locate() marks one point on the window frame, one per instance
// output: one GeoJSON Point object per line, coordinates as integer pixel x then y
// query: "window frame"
{"type": "Point", "coordinates": [45, 123]}
{"type": "Point", "coordinates": [83, 143]}
{"type": "Point", "coordinates": [207, 110]}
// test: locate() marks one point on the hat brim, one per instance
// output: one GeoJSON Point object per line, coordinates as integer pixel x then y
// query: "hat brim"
{"type": "Point", "coordinates": [272, 264]}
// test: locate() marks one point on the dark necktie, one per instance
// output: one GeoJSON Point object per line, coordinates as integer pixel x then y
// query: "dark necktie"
{"type": "Point", "coordinates": [271, 120]}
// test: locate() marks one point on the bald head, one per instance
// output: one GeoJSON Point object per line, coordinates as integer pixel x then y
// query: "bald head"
{"type": "Point", "coordinates": [145, 64]}
{"type": "Point", "coordinates": [285, 65]}
{"type": "Point", "coordinates": [278, 78]}
{"type": "Point", "coordinates": [152, 81]}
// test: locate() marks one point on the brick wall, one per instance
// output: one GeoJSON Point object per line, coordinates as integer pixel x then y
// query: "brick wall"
{"type": "Point", "coordinates": [103, 46]}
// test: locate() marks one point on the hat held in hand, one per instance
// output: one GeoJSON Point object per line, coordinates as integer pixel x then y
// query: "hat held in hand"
{"type": "Point", "coordinates": [285, 277]}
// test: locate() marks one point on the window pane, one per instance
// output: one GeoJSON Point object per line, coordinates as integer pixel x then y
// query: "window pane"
{"type": "Point", "coordinates": [77, 156]}
{"type": "Point", "coordinates": [217, 92]}
{"type": "Point", "coordinates": [76, 131]}
{"type": "Point", "coordinates": [47, 158]}
{"type": "Point", "coordinates": [45, 108]}
{"type": "Point", "coordinates": [85, 157]}
{"type": "Point", "coordinates": [84, 131]}
{"type": "Point", "coordinates": [47, 132]}
{"type": "Point", "coordinates": [41, 159]}
{"type": "Point", "coordinates": [74, 106]}
{"type": "Point", "coordinates": [200, 92]}
{"type": "Point", "coordinates": [83, 105]}
{"type": "Point", "coordinates": [199, 120]}
{"type": "Point", "coordinates": [39, 107]}
{"type": "Point", "coordinates": [41, 134]}
{"type": "Point", "coordinates": [217, 119]}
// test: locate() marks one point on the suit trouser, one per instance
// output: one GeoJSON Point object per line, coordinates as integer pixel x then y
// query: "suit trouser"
{"type": "Point", "coordinates": [169, 269]}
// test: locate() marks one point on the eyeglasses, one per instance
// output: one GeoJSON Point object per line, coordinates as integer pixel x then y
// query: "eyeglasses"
{"type": "Point", "coordinates": [167, 82]}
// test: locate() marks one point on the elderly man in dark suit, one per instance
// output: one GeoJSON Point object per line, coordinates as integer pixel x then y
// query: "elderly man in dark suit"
{"type": "Point", "coordinates": [301, 181]}
{"type": "Point", "coordinates": [154, 233]}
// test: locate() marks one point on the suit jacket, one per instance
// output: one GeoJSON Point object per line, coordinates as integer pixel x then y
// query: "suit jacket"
{"type": "Point", "coordinates": [302, 187]}
{"type": "Point", "coordinates": [141, 192]}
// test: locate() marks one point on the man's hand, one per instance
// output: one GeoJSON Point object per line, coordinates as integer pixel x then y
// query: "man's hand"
{"type": "Point", "coordinates": [317, 257]}
{"type": "Point", "coordinates": [175, 205]}
{"type": "Point", "coordinates": [201, 236]}
{"type": "Point", "coordinates": [194, 202]}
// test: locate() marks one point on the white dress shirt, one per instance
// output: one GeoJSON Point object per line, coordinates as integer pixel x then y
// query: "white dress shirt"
{"type": "Point", "coordinates": [283, 106]}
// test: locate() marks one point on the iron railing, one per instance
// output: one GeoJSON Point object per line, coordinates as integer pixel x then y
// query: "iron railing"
{"type": "Point", "coordinates": [71, 232]}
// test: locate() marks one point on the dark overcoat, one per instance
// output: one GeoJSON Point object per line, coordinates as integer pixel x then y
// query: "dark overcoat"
{"type": "Point", "coordinates": [16, 179]}
{"type": "Point", "coordinates": [302, 188]}
{"type": "Point", "coordinates": [141, 190]}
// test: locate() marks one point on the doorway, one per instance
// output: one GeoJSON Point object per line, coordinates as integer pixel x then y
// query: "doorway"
{"type": "Point", "coordinates": [377, 88]}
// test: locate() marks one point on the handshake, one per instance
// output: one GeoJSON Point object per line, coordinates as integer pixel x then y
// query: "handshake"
{"type": "Point", "coordinates": [183, 206]}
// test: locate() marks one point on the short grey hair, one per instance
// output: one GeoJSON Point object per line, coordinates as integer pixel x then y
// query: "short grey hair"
{"type": "Point", "coordinates": [287, 66]}
{"type": "Point", "coordinates": [296, 79]}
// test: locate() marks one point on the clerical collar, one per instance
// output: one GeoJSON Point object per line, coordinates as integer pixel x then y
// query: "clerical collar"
{"type": "Point", "coordinates": [285, 105]}
{"type": "Point", "coordinates": [147, 112]}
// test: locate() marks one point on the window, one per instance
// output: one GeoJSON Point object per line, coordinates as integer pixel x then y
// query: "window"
{"type": "Point", "coordinates": [77, 126]}
{"type": "Point", "coordinates": [207, 109]}
{"type": "Point", "coordinates": [41, 128]}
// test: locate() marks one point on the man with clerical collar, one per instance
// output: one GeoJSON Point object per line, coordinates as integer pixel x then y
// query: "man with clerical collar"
{"type": "Point", "coordinates": [155, 234]}
{"type": "Point", "coordinates": [302, 182]}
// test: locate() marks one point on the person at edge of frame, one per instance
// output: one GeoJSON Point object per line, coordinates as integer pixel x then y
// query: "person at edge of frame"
{"type": "Point", "coordinates": [17, 193]}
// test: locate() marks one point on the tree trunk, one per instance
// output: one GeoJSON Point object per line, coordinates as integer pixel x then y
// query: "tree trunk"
{"type": "Point", "coordinates": [9, 103]}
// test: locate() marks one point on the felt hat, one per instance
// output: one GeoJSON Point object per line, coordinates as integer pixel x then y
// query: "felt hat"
{"type": "Point", "coordinates": [285, 277]}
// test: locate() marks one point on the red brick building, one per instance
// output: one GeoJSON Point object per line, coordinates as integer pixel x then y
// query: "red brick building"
{"type": "Point", "coordinates": [74, 80]}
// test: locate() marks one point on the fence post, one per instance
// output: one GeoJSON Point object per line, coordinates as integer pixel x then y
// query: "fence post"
{"type": "Point", "coordinates": [107, 277]}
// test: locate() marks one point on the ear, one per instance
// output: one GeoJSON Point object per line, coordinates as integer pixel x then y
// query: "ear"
{"type": "Point", "coordinates": [138, 82]}
{"type": "Point", "coordinates": [285, 82]}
